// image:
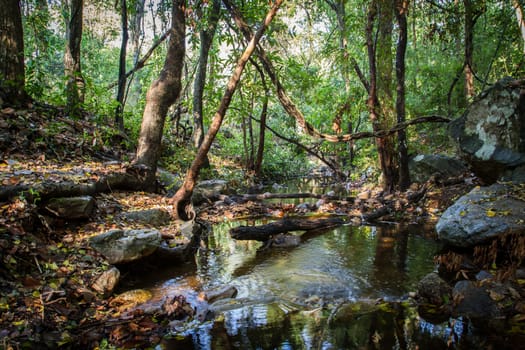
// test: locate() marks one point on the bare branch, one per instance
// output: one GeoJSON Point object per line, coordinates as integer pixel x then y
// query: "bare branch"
{"type": "Point", "coordinates": [142, 62]}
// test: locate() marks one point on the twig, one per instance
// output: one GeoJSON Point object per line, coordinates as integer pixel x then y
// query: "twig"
{"type": "Point", "coordinates": [37, 264]}
{"type": "Point", "coordinates": [56, 300]}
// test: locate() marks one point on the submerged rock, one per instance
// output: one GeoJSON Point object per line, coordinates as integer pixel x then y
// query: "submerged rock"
{"type": "Point", "coordinates": [107, 281]}
{"type": "Point", "coordinates": [482, 214]}
{"type": "Point", "coordinates": [130, 299]}
{"type": "Point", "coordinates": [474, 301]}
{"type": "Point", "coordinates": [284, 241]}
{"type": "Point", "coordinates": [222, 292]}
{"type": "Point", "coordinates": [434, 290]}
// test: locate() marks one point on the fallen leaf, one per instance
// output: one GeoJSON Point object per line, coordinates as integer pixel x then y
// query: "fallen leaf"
{"type": "Point", "coordinates": [491, 213]}
{"type": "Point", "coordinates": [496, 296]}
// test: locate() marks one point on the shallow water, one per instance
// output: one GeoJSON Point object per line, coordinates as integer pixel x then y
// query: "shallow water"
{"type": "Point", "coordinates": [345, 288]}
{"type": "Point", "coordinates": [347, 262]}
{"type": "Point", "coordinates": [293, 298]}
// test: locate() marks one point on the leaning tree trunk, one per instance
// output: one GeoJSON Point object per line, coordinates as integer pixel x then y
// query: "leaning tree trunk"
{"type": "Point", "coordinates": [12, 76]}
{"type": "Point", "coordinates": [162, 93]}
{"type": "Point", "coordinates": [182, 199]}
{"type": "Point", "coordinates": [75, 82]}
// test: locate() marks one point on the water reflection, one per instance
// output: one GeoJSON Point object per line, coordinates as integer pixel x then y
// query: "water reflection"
{"type": "Point", "coordinates": [288, 297]}
{"type": "Point", "coordinates": [347, 262]}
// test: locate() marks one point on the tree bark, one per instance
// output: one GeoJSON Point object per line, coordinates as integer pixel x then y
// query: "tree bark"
{"type": "Point", "coordinates": [72, 61]}
{"type": "Point", "coordinates": [12, 74]}
{"type": "Point", "coordinates": [162, 93]}
{"type": "Point", "coordinates": [182, 198]}
{"type": "Point", "coordinates": [206, 39]}
{"type": "Point", "coordinates": [402, 149]}
{"type": "Point", "coordinates": [264, 232]}
{"type": "Point", "coordinates": [380, 68]}
{"type": "Point", "coordinates": [388, 158]}
{"type": "Point", "coordinates": [137, 28]}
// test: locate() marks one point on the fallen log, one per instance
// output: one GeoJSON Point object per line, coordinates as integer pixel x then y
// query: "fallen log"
{"type": "Point", "coordinates": [376, 214]}
{"type": "Point", "coordinates": [268, 195]}
{"type": "Point", "coordinates": [50, 189]}
{"type": "Point", "coordinates": [264, 232]}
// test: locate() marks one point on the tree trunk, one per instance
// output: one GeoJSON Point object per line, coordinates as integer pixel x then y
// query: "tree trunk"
{"type": "Point", "coordinates": [262, 126]}
{"type": "Point", "coordinates": [385, 90]}
{"type": "Point", "coordinates": [182, 199]}
{"type": "Point", "coordinates": [337, 124]}
{"type": "Point", "coordinates": [469, 49]}
{"type": "Point", "coordinates": [518, 9]}
{"type": "Point", "coordinates": [75, 82]}
{"type": "Point", "coordinates": [40, 31]}
{"type": "Point", "coordinates": [119, 111]}
{"type": "Point", "coordinates": [137, 29]}
{"type": "Point", "coordinates": [162, 93]}
{"type": "Point", "coordinates": [12, 75]}
{"type": "Point", "coordinates": [401, 16]}
{"type": "Point", "coordinates": [206, 40]}
{"type": "Point", "coordinates": [381, 114]}
{"type": "Point", "coordinates": [136, 33]}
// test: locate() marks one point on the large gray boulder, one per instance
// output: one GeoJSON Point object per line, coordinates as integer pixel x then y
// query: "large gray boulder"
{"type": "Point", "coordinates": [423, 166]}
{"type": "Point", "coordinates": [490, 136]}
{"type": "Point", "coordinates": [122, 246]}
{"type": "Point", "coordinates": [482, 214]}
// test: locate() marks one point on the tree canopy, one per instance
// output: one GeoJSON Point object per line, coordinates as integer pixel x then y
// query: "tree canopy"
{"type": "Point", "coordinates": [341, 78]}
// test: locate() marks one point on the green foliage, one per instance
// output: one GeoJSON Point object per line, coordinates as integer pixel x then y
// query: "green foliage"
{"type": "Point", "coordinates": [304, 45]}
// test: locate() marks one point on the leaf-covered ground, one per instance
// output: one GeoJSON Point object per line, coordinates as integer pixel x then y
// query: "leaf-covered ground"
{"type": "Point", "coordinates": [46, 265]}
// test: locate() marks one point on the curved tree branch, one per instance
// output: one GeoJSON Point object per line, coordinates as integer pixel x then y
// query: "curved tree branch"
{"type": "Point", "coordinates": [292, 109]}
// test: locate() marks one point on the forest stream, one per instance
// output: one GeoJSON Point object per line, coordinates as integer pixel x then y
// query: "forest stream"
{"type": "Point", "coordinates": [349, 287]}
{"type": "Point", "coordinates": [291, 298]}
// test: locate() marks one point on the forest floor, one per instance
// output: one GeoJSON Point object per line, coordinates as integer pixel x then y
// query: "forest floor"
{"type": "Point", "coordinates": [46, 263]}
